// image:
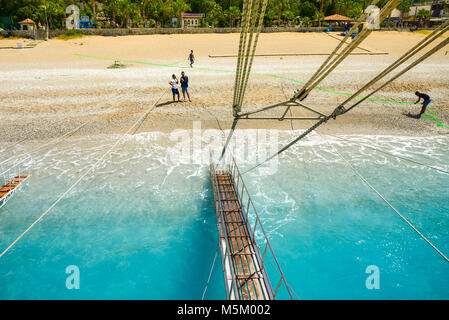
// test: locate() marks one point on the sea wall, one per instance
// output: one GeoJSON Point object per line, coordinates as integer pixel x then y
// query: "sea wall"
{"type": "Point", "coordinates": [148, 31]}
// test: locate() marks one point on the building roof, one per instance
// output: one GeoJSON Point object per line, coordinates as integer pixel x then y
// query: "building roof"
{"type": "Point", "coordinates": [192, 15]}
{"type": "Point", "coordinates": [337, 17]}
{"type": "Point", "coordinates": [27, 21]}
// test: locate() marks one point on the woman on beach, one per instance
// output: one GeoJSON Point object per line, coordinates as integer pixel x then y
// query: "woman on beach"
{"type": "Point", "coordinates": [174, 87]}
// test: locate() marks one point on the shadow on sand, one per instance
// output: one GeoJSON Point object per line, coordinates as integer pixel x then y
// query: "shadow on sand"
{"type": "Point", "coordinates": [414, 116]}
{"type": "Point", "coordinates": [165, 104]}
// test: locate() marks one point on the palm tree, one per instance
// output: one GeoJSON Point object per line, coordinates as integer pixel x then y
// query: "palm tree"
{"type": "Point", "coordinates": [234, 14]}
{"type": "Point", "coordinates": [94, 13]}
{"type": "Point", "coordinates": [321, 12]}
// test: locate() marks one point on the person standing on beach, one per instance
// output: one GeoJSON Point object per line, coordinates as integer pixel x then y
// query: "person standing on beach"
{"type": "Point", "coordinates": [426, 102]}
{"type": "Point", "coordinates": [191, 58]}
{"type": "Point", "coordinates": [174, 87]}
{"type": "Point", "coordinates": [185, 86]}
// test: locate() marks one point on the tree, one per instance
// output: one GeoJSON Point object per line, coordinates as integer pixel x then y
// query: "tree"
{"type": "Point", "coordinates": [214, 13]}
{"type": "Point", "coordinates": [307, 9]}
{"type": "Point", "coordinates": [404, 7]}
{"type": "Point", "coordinates": [423, 14]}
{"type": "Point", "coordinates": [233, 13]}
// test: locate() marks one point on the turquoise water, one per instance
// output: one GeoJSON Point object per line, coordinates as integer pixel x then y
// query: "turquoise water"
{"type": "Point", "coordinates": [143, 226]}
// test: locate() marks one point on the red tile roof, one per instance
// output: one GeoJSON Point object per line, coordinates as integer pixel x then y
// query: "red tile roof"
{"type": "Point", "coordinates": [337, 17]}
{"type": "Point", "coordinates": [27, 21]}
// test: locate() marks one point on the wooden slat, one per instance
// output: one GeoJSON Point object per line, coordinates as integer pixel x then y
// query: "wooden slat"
{"type": "Point", "coordinates": [11, 186]}
{"type": "Point", "coordinates": [244, 261]}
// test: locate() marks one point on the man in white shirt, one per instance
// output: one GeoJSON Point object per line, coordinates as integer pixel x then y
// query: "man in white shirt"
{"type": "Point", "coordinates": [174, 87]}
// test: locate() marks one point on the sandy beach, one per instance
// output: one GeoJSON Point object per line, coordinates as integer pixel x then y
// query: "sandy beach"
{"type": "Point", "coordinates": [52, 88]}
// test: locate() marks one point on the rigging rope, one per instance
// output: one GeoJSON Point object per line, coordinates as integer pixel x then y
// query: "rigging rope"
{"type": "Point", "coordinates": [242, 45]}
{"type": "Point", "coordinates": [413, 64]}
{"type": "Point", "coordinates": [328, 66]}
{"type": "Point", "coordinates": [91, 169]}
{"type": "Point", "coordinates": [383, 198]}
{"type": "Point", "coordinates": [341, 110]}
{"type": "Point", "coordinates": [260, 13]}
{"type": "Point", "coordinates": [252, 21]}
{"type": "Point", "coordinates": [406, 56]}
{"type": "Point", "coordinates": [390, 205]}
{"type": "Point", "coordinates": [210, 273]}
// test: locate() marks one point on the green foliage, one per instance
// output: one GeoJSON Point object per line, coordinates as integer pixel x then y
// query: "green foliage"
{"type": "Point", "coordinates": [70, 34]}
{"type": "Point", "coordinates": [232, 14]}
{"type": "Point", "coordinates": [404, 6]}
{"type": "Point", "coordinates": [423, 14]}
{"type": "Point", "coordinates": [308, 10]}
{"type": "Point", "coordinates": [117, 65]}
{"type": "Point", "coordinates": [132, 13]}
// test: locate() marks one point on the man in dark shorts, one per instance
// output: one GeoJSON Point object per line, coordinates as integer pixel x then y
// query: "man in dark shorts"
{"type": "Point", "coordinates": [185, 86]}
{"type": "Point", "coordinates": [426, 102]}
{"type": "Point", "coordinates": [191, 58]}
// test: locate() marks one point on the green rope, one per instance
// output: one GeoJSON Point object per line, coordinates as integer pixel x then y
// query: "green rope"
{"type": "Point", "coordinates": [232, 71]}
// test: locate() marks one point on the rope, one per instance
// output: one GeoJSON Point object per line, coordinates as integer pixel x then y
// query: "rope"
{"type": "Point", "coordinates": [78, 181]}
{"type": "Point", "coordinates": [385, 200]}
{"type": "Point", "coordinates": [245, 72]}
{"type": "Point", "coordinates": [242, 45]}
{"type": "Point", "coordinates": [390, 205]}
{"type": "Point", "coordinates": [252, 21]}
{"type": "Point", "coordinates": [305, 133]}
{"type": "Point", "coordinates": [406, 56]}
{"type": "Point", "coordinates": [234, 124]}
{"type": "Point", "coordinates": [210, 273]}
{"type": "Point", "coordinates": [291, 115]}
{"type": "Point", "coordinates": [382, 197]}
{"type": "Point", "coordinates": [340, 109]}
{"type": "Point", "coordinates": [425, 56]}
{"type": "Point", "coordinates": [240, 76]}
{"type": "Point", "coordinates": [328, 66]}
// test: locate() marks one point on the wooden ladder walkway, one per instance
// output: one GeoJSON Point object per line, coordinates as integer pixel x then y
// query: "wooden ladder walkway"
{"type": "Point", "coordinates": [244, 277]}
{"type": "Point", "coordinates": [9, 188]}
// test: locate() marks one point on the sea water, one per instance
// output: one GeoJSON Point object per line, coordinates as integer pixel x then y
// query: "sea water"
{"type": "Point", "coordinates": [142, 224]}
